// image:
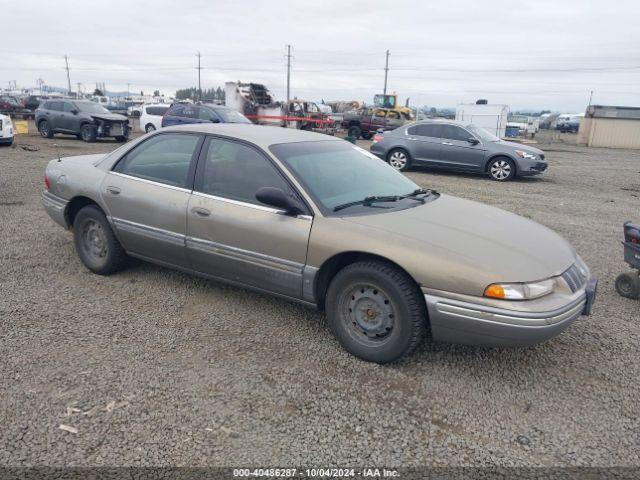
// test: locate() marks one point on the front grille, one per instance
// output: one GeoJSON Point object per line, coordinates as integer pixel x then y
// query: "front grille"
{"type": "Point", "coordinates": [574, 278]}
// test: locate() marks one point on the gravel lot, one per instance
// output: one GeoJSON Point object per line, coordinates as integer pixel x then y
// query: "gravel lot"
{"type": "Point", "coordinates": [155, 368]}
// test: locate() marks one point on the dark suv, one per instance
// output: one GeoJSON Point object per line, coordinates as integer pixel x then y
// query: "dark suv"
{"type": "Point", "coordinates": [181, 113]}
{"type": "Point", "coordinates": [87, 120]}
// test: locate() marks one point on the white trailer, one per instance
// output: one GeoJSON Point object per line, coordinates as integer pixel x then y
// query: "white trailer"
{"type": "Point", "coordinates": [492, 118]}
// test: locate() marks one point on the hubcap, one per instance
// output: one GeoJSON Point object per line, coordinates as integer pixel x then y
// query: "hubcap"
{"type": "Point", "coordinates": [500, 169]}
{"type": "Point", "coordinates": [398, 160]}
{"type": "Point", "coordinates": [625, 286]}
{"type": "Point", "coordinates": [94, 242]}
{"type": "Point", "coordinates": [150, 128]}
{"type": "Point", "coordinates": [44, 128]}
{"type": "Point", "coordinates": [368, 313]}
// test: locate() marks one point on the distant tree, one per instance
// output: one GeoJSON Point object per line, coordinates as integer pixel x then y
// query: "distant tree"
{"type": "Point", "coordinates": [156, 93]}
{"type": "Point", "coordinates": [220, 94]}
{"type": "Point", "coordinates": [98, 93]}
{"type": "Point", "coordinates": [141, 93]}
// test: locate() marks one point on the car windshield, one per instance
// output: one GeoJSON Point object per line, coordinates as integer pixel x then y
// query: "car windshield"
{"type": "Point", "coordinates": [337, 173]}
{"type": "Point", "coordinates": [484, 135]}
{"type": "Point", "coordinates": [231, 116]}
{"type": "Point", "coordinates": [91, 107]}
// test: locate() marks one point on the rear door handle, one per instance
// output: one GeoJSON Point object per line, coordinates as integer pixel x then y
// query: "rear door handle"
{"type": "Point", "coordinates": [202, 212]}
{"type": "Point", "coordinates": [113, 190]}
{"type": "Point", "coordinates": [447, 143]}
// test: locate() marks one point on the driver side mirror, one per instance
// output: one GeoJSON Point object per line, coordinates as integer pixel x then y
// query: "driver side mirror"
{"type": "Point", "coordinates": [74, 111]}
{"type": "Point", "coordinates": [215, 120]}
{"type": "Point", "coordinates": [473, 140]}
{"type": "Point", "coordinates": [275, 197]}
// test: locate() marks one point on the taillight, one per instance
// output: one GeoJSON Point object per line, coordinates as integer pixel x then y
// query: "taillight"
{"type": "Point", "coordinates": [46, 182]}
{"type": "Point", "coordinates": [377, 138]}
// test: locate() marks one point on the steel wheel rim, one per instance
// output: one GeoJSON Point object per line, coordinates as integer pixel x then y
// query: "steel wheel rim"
{"type": "Point", "coordinates": [94, 240]}
{"type": "Point", "coordinates": [500, 169]}
{"type": "Point", "coordinates": [44, 128]}
{"type": "Point", "coordinates": [85, 133]}
{"type": "Point", "coordinates": [398, 160]}
{"type": "Point", "coordinates": [624, 284]}
{"type": "Point", "coordinates": [368, 314]}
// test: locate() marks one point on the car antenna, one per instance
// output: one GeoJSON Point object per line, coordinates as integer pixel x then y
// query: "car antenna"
{"type": "Point", "coordinates": [57, 151]}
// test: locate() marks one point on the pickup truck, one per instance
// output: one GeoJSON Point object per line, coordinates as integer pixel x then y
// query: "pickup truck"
{"type": "Point", "coordinates": [366, 121]}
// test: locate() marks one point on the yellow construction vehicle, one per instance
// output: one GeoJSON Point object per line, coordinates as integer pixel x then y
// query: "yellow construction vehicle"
{"type": "Point", "coordinates": [390, 102]}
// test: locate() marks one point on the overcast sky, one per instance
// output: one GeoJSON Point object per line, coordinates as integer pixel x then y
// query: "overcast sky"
{"type": "Point", "coordinates": [537, 54]}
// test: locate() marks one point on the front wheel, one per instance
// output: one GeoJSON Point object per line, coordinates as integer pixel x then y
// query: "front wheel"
{"type": "Point", "coordinates": [88, 133]}
{"type": "Point", "coordinates": [96, 244]}
{"type": "Point", "coordinates": [354, 131]}
{"type": "Point", "coordinates": [376, 311]}
{"type": "Point", "coordinates": [501, 169]}
{"type": "Point", "coordinates": [367, 135]}
{"type": "Point", "coordinates": [399, 159]}
{"type": "Point", "coordinates": [628, 285]}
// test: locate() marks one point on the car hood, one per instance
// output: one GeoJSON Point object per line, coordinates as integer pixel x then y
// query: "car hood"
{"type": "Point", "coordinates": [511, 146]}
{"type": "Point", "coordinates": [111, 117]}
{"type": "Point", "coordinates": [484, 242]}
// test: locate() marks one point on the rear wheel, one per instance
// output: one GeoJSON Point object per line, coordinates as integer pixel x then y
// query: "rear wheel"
{"type": "Point", "coordinates": [150, 128]}
{"type": "Point", "coordinates": [96, 245]}
{"type": "Point", "coordinates": [354, 131]}
{"type": "Point", "coordinates": [399, 159]}
{"type": "Point", "coordinates": [628, 285]}
{"type": "Point", "coordinates": [88, 133]}
{"type": "Point", "coordinates": [45, 129]}
{"type": "Point", "coordinates": [501, 169]}
{"type": "Point", "coordinates": [367, 135]}
{"type": "Point", "coordinates": [376, 311]}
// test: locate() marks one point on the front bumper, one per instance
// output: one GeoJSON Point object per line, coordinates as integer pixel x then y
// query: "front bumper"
{"type": "Point", "coordinates": [532, 167]}
{"type": "Point", "coordinates": [55, 207]}
{"type": "Point", "coordinates": [456, 321]}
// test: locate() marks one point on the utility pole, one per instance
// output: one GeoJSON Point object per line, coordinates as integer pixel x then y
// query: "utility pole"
{"type": "Point", "coordinates": [128, 89]}
{"type": "Point", "coordinates": [66, 62]}
{"type": "Point", "coordinates": [386, 72]}
{"type": "Point", "coordinates": [590, 97]}
{"type": "Point", "coordinates": [199, 84]}
{"type": "Point", "coordinates": [79, 85]}
{"type": "Point", "coordinates": [288, 74]}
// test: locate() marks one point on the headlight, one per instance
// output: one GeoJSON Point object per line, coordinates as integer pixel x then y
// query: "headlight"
{"type": "Point", "coordinates": [523, 154]}
{"type": "Point", "coordinates": [520, 291]}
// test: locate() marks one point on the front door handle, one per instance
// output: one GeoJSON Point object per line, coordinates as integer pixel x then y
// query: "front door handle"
{"type": "Point", "coordinates": [447, 143]}
{"type": "Point", "coordinates": [113, 190]}
{"type": "Point", "coordinates": [202, 212]}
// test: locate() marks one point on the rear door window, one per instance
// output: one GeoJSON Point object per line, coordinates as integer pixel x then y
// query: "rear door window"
{"type": "Point", "coordinates": [176, 111]}
{"type": "Point", "coordinates": [165, 158]}
{"type": "Point", "coordinates": [426, 130]}
{"type": "Point", "coordinates": [158, 111]}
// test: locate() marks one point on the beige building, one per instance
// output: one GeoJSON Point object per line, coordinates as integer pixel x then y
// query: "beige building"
{"type": "Point", "coordinates": [610, 127]}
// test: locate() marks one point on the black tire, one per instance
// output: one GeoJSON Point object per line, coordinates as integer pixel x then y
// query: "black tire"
{"type": "Point", "coordinates": [396, 319]}
{"type": "Point", "coordinates": [501, 169]}
{"type": "Point", "coordinates": [45, 129]}
{"type": "Point", "coordinates": [354, 131]}
{"type": "Point", "coordinates": [96, 245]}
{"type": "Point", "coordinates": [149, 127]}
{"type": "Point", "coordinates": [121, 139]}
{"type": "Point", "coordinates": [628, 285]}
{"type": "Point", "coordinates": [367, 135]}
{"type": "Point", "coordinates": [399, 159]}
{"type": "Point", "coordinates": [88, 133]}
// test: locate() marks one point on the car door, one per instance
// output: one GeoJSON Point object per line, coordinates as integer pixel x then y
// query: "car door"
{"type": "Point", "coordinates": [231, 235]}
{"type": "Point", "coordinates": [147, 193]}
{"type": "Point", "coordinates": [425, 143]}
{"type": "Point", "coordinates": [54, 115]}
{"type": "Point", "coordinates": [174, 116]}
{"type": "Point", "coordinates": [458, 151]}
{"type": "Point", "coordinates": [207, 115]}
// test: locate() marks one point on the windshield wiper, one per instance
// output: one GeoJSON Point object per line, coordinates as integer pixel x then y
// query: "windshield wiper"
{"type": "Point", "coordinates": [420, 191]}
{"type": "Point", "coordinates": [367, 201]}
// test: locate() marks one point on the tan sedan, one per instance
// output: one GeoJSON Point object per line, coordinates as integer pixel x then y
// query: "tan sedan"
{"type": "Point", "coordinates": [318, 220]}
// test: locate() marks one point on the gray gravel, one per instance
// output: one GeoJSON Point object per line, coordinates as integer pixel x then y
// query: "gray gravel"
{"type": "Point", "coordinates": [154, 367]}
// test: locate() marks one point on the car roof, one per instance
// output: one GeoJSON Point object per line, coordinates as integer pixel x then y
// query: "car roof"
{"type": "Point", "coordinates": [441, 121]}
{"type": "Point", "coordinates": [260, 135]}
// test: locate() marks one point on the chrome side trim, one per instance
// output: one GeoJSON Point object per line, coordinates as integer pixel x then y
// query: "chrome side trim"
{"type": "Point", "coordinates": [149, 232]}
{"type": "Point", "coordinates": [150, 182]}
{"type": "Point", "coordinates": [240, 203]}
{"type": "Point", "coordinates": [442, 308]}
{"type": "Point", "coordinates": [247, 256]}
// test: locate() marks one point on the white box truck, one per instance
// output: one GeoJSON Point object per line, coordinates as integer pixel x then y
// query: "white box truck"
{"type": "Point", "coordinates": [492, 118]}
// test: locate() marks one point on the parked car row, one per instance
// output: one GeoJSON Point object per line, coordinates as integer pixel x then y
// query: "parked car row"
{"type": "Point", "coordinates": [315, 219]}
{"type": "Point", "coordinates": [6, 130]}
